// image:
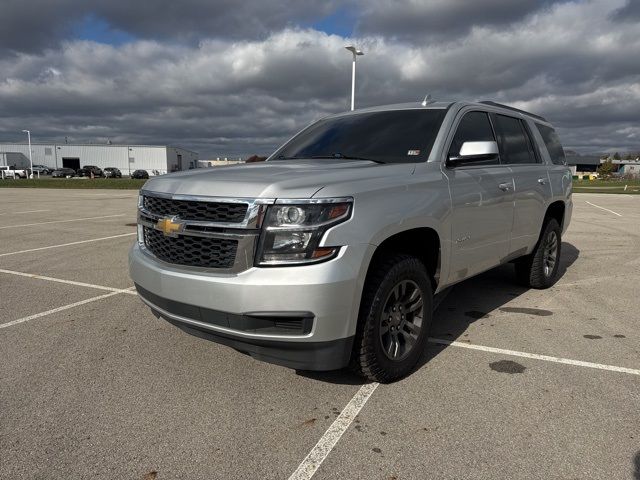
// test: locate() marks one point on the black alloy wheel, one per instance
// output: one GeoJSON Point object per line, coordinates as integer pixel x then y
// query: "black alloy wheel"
{"type": "Point", "coordinates": [401, 321]}
{"type": "Point", "coordinates": [394, 319]}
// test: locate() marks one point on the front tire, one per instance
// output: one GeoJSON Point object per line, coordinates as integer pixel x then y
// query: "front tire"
{"type": "Point", "coordinates": [540, 268]}
{"type": "Point", "coordinates": [394, 320]}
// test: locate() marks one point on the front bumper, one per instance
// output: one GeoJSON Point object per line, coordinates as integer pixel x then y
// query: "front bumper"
{"type": "Point", "coordinates": [231, 308]}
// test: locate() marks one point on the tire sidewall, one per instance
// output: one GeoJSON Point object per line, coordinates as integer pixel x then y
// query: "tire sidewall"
{"type": "Point", "coordinates": [408, 269]}
{"type": "Point", "coordinates": [552, 225]}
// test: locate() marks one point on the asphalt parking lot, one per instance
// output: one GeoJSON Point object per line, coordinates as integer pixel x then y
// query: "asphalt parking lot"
{"type": "Point", "coordinates": [516, 383]}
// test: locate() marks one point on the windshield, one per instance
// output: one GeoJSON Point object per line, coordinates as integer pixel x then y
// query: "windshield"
{"type": "Point", "coordinates": [398, 136]}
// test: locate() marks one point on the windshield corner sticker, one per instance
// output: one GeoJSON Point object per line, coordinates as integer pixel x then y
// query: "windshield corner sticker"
{"type": "Point", "coordinates": [413, 152]}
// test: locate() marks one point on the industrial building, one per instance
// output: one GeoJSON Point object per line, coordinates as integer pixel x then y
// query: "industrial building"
{"type": "Point", "coordinates": [219, 162]}
{"type": "Point", "coordinates": [16, 160]}
{"type": "Point", "coordinates": [582, 163]}
{"type": "Point", "coordinates": [157, 160]}
{"type": "Point", "coordinates": [629, 168]}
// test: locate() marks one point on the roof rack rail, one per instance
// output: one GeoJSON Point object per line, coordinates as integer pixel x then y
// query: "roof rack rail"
{"type": "Point", "coordinates": [496, 104]}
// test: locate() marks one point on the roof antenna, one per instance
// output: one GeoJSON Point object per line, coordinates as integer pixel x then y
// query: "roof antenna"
{"type": "Point", "coordinates": [427, 100]}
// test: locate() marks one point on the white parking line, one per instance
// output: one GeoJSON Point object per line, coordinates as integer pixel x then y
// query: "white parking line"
{"type": "Point", "coordinates": [63, 221]}
{"type": "Point", "coordinates": [68, 282]}
{"type": "Point", "coordinates": [328, 441]}
{"type": "Point", "coordinates": [60, 309]}
{"type": "Point", "coordinates": [535, 356]}
{"type": "Point", "coordinates": [27, 211]}
{"type": "Point", "coordinates": [602, 208]}
{"type": "Point", "coordinates": [67, 244]}
{"type": "Point", "coordinates": [322, 449]}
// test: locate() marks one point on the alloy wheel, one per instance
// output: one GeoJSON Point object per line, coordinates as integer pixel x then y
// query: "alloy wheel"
{"type": "Point", "coordinates": [550, 255]}
{"type": "Point", "coordinates": [401, 320]}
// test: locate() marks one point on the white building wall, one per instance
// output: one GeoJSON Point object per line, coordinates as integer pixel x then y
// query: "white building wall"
{"type": "Point", "coordinates": [98, 155]}
{"type": "Point", "coordinates": [146, 158]}
{"type": "Point", "coordinates": [181, 159]}
{"type": "Point", "coordinates": [127, 158]}
{"type": "Point", "coordinates": [37, 152]}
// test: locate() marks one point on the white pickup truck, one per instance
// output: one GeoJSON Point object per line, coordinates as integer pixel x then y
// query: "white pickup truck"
{"type": "Point", "coordinates": [13, 172]}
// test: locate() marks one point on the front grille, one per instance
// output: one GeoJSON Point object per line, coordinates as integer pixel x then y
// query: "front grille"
{"type": "Point", "coordinates": [196, 210]}
{"type": "Point", "coordinates": [191, 251]}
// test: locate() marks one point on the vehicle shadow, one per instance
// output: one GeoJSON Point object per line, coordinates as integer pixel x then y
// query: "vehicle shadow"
{"type": "Point", "coordinates": [636, 464]}
{"type": "Point", "coordinates": [467, 302]}
{"type": "Point", "coordinates": [473, 301]}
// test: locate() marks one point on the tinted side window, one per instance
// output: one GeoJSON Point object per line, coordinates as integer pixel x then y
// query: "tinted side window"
{"type": "Point", "coordinates": [513, 140]}
{"type": "Point", "coordinates": [554, 147]}
{"type": "Point", "coordinates": [474, 127]}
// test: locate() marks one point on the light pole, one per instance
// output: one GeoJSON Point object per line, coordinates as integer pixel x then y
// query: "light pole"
{"type": "Point", "coordinates": [355, 53]}
{"type": "Point", "coordinates": [30, 160]}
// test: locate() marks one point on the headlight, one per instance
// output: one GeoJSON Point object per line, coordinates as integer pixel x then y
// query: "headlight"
{"type": "Point", "coordinates": [292, 232]}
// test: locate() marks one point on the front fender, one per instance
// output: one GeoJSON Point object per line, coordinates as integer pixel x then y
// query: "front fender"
{"type": "Point", "coordinates": [381, 213]}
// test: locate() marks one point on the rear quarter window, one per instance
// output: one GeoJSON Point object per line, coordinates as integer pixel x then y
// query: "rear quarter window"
{"type": "Point", "coordinates": [552, 142]}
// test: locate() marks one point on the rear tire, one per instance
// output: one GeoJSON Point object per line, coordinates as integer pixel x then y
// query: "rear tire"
{"type": "Point", "coordinates": [394, 320]}
{"type": "Point", "coordinates": [540, 268]}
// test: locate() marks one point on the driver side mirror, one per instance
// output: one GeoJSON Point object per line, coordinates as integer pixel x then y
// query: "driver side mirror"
{"type": "Point", "coordinates": [471, 152]}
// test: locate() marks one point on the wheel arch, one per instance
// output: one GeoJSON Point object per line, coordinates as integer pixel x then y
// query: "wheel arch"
{"type": "Point", "coordinates": [556, 210]}
{"type": "Point", "coordinates": [423, 243]}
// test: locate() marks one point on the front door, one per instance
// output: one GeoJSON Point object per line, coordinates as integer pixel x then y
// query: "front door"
{"type": "Point", "coordinates": [482, 204]}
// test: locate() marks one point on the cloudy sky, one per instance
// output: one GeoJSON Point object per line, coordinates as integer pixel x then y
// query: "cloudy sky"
{"type": "Point", "coordinates": [229, 77]}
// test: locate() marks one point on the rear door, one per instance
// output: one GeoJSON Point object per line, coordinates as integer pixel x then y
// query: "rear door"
{"type": "Point", "coordinates": [559, 173]}
{"type": "Point", "coordinates": [532, 186]}
{"type": "Point", "coordinates": [482, 203]}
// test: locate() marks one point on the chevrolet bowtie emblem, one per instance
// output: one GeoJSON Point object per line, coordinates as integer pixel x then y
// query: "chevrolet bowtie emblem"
{"type": "Point", "coordinates": [170, 226]}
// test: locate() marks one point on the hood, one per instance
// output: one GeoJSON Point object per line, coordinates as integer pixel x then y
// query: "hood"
{"type": "Point", "coordinates": [275, 179]}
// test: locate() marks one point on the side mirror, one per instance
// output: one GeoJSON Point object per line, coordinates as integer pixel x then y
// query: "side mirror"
{"type": "Point", "coordinates": [471, 152]}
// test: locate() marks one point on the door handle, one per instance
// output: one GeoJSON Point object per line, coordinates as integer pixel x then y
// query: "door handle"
{"type": "Point", "coordinates": [542, 181]}
{"type": "Point", "coordinates": [505, 187]}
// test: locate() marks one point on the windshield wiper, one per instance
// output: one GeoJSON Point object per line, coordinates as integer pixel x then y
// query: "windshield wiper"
{"type": "Point", "coordinates": [347, 157]}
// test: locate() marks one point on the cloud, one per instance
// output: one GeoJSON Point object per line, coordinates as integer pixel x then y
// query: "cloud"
{"type": "Point", "coordinates": [30, 26]}
{"type": "Point", "coordinates": [628, 13]}
{"type": "Point", "coordinates": [34, 25]}
{"type": "Point", "coordinates": [417, 20]}
{"type": "Point", "coordinates": [242, 94]}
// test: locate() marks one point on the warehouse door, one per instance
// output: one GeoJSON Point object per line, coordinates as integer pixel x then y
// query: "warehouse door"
{"type": "Point", "coordinates": [71, 163]}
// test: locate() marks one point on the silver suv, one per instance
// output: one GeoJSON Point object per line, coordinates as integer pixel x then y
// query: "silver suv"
{"type": "Point", "coordinates": [330, 253]}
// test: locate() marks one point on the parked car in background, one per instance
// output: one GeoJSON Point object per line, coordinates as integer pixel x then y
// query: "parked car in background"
{"type": "Point", "coordinates": [42, 169]}
{"type": "Point", "coordinates": [112, 172]}
{"type": "Point", "coordinates": [140, 174]}
{"type": "Point", "coordinates": [87, 170]}
{"type": "Point", "coordinates": [63, 172]}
